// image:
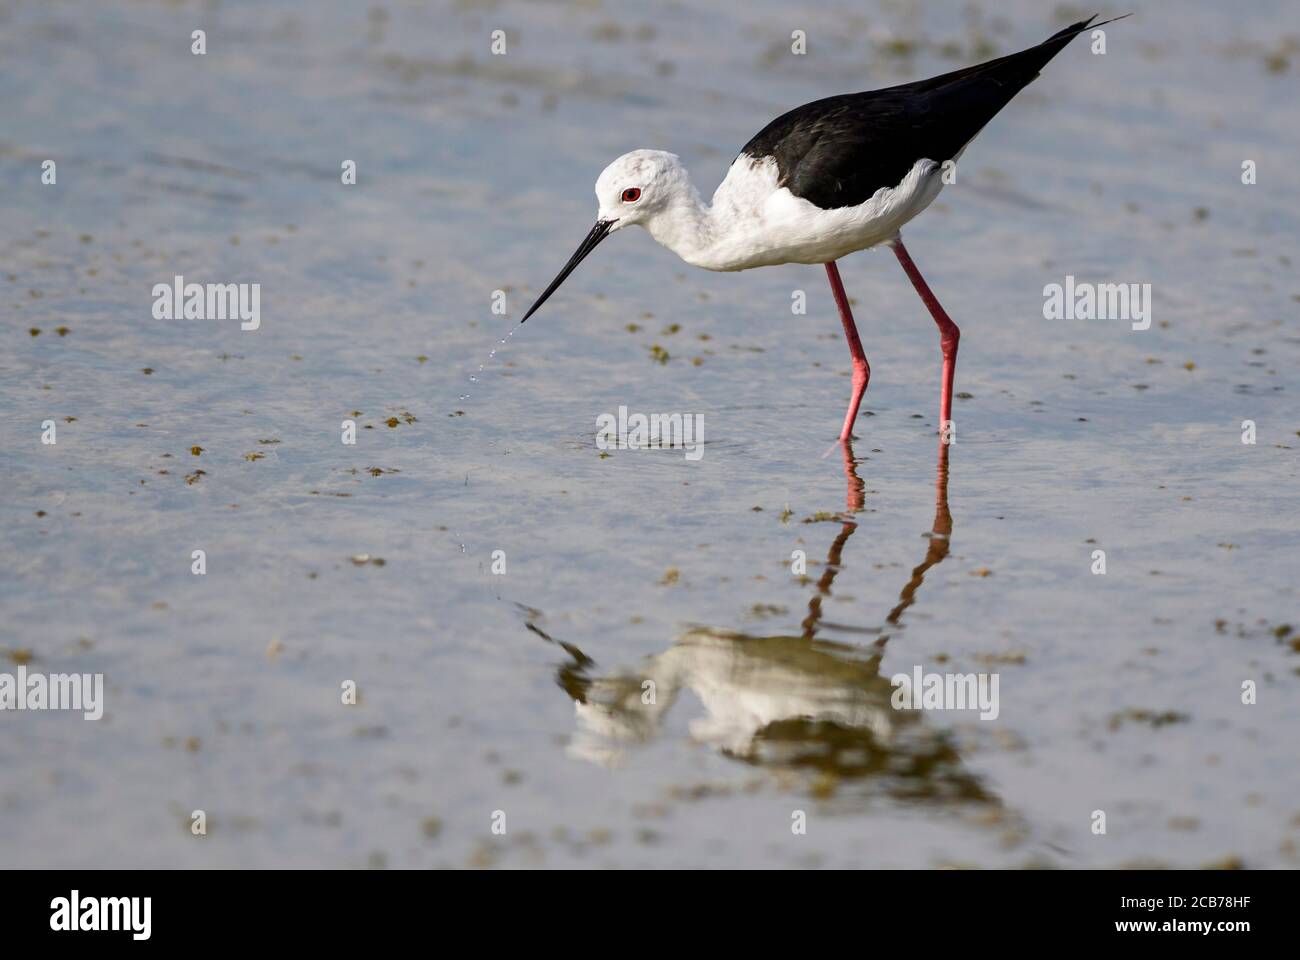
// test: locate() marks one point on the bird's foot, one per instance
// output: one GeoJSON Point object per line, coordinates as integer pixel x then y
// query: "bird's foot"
{"type": "Point", "coordinates": [837, 445]}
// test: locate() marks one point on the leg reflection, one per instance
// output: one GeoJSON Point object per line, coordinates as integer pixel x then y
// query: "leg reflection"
{"type": "Point", "coordinates": [940, 537]}
{"type": "Point", "coordinates": [795, 704]}
{"type": "Point", "coordinates": [853, 500]}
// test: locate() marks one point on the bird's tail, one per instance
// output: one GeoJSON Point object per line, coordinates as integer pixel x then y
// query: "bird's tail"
{"type": "Point", "coordinates": [1072, 31]}
{"type": "Point", "coordinates": [972, 96]}
{"type": "Point", "coordinates": [1035, 58]}
{"type": "Point", "coordinates": [1015, 70]}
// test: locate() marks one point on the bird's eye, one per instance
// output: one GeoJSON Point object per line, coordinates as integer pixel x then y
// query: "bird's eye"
{"type": "Point", "coordinates": [631, 194]}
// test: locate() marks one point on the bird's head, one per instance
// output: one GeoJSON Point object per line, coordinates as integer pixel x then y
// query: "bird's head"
{"type": "Point", "coordinates": [637, 185]}
{"type": "Point", "coordinates": [631, 190]}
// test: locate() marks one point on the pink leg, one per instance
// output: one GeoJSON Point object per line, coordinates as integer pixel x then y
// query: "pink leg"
{"type": "Point", "coordinates": [949, 335]}
{"type": "Point", "coordinates": [861, 372]}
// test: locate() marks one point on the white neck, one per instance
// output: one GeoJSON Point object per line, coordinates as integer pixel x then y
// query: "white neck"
{"type": "Point", "coordinates": [722, 235]}
{"type": "Point", "coordinates": [685, 226]}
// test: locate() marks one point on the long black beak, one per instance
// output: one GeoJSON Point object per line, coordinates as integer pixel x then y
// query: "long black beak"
{"type": "Point", "coordinates": [598, 233]}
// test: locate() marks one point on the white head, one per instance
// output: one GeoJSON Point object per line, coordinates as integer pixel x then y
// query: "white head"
{"type": "Point", "coordinates": [646, 187]}
{"type": "Point", "coordinates": [637, 185]}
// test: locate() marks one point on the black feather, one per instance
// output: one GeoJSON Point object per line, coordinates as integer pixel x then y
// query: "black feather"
{"type": "Point", "coordinates": [839, 151]}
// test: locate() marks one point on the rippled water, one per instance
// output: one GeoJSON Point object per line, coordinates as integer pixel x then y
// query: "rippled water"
{"type": "Point", "coordinates": [523, 692]}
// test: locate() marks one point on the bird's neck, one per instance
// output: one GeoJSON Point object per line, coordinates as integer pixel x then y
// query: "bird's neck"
{"type": "Point", "coordinates": [686, 227]}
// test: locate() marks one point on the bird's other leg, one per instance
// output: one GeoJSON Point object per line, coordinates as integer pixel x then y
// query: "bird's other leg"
{"type": "Point", "coordinates": [861, 372]}
{"type": "Point", "coordinates": [949, 335]}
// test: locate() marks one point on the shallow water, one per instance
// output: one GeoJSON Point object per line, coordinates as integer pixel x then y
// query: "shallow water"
{"type": "Point", "coordinates": [521, 692]}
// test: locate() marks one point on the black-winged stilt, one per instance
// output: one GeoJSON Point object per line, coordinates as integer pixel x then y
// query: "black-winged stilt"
{"type": "Point", "coordinates": [820, 182]}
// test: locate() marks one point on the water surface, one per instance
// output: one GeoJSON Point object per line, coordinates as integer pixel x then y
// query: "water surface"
{"type": "Point", "coordinates": [522, 692]}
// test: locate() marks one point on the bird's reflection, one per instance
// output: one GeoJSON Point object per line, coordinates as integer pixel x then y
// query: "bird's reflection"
{"type": "Point", "coordinates": [798, 703]}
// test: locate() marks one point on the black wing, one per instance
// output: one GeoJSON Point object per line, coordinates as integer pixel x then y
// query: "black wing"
{"type": "Point", "coordinates": [839, 151]}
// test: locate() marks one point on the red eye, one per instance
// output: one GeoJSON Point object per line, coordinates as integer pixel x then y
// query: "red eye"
{"type": "Point", "coordinates": [631, 194]}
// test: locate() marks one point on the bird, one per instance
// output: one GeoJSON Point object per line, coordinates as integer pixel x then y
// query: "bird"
{"type": "Point", "coordinates": [820, 182]}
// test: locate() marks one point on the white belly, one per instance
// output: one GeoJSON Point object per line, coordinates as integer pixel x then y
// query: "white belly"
{"type": "Point", "coordinates": [758, 223]}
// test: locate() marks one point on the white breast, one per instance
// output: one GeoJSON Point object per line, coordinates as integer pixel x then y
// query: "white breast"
{"type": "Point", "coordinates": [755, 222]}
